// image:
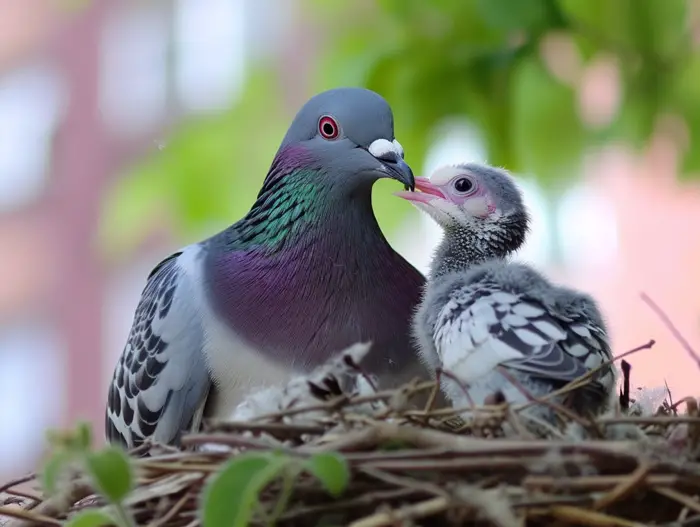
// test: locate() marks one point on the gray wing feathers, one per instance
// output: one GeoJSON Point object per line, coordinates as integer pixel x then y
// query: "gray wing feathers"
{"type": "Point", "coordinates": [482, 326]}
{"type": "Point", "coordinates": [161, 378]}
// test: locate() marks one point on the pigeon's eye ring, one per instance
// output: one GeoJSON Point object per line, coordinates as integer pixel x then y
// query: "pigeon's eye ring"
{"type": "Point", "coordinates": [463, 185]}
{"type": "Point", "coordinates": [328, 128]}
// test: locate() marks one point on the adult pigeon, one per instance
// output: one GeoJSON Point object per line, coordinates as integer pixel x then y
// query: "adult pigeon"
{"type": "Point", "coordinates": [305, 274]}
{"type": "Point", "coordinates": [502, 329]}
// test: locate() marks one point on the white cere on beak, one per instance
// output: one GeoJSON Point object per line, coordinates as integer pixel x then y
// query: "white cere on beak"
{"type": "Point", "coordinates": [399, 148]}
{"type": "Point", "coordinates": [381, 147]}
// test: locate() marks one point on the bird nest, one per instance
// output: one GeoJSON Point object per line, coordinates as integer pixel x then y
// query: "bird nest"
{"type": "Point", "coordinates": [406, 466]}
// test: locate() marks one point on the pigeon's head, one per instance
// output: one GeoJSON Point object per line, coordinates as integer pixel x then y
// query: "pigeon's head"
{"type": "Point", "coordinates": [476, 198]}
{"type": "Point", "coordinates": [349, 132]}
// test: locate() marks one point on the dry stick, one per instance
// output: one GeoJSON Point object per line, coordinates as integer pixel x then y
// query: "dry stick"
{"type": "Point", "coordinates": [15, 482]}
{"type": "Point", "coordinates": [234, 441]}
{"type": "Point", "coordinates": [462, 386]}
{"type": "Point", "coordinates": [550, 404]}
{"type": "Point", "coordinates": [23, 515]}
{"type": "Point", "coordinates": [625, 392]}
{"type": "Point", "coordinates": [163, 520]}
{"type": "Point", "coordinates": [352, 503]}
{"type": "Point", "coordinates": [273, 429]}
{"type": "Point", "coordinates": [684, 500]}
{"type": "Point", "coordinates": [661, 420]}
{"type": "Point", "coordinates": [584, 517]}
{"type": "Point", "coordinates": [624, 488]}
{"type": "Point", "coordinates": [464, 389]}
{"type": "Point", "coordinates": [671, 327]}
{"type": "Point", "coordinates": [670, 396]}
{"type": "Point", "coordinates": [400, 481]}
{"type": "Point", "coordinates": [409, 512]}
{"type": "Point", "coordinates": [432, 397]}
{"type": "Point", "coordinates": [623, 450]}
{"type": "Point", "coordinates": [469, 464]}
{"type": "Point", "coordinates": [58, 504]}
{"type": "Point", "coordinates": [517, 425]}
{"type": "Point", "coordinates": [593, 483]}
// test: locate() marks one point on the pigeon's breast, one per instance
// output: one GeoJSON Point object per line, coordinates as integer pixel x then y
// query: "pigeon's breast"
{"type": "Point", "coordinates": [297, 312]}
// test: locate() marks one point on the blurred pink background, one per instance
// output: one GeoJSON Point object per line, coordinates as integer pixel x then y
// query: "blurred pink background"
{"type": "Point", "coordinates": [84, 94]}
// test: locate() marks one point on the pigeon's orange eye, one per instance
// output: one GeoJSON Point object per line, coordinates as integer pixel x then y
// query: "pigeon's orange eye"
{"type": "Point", "coordinates": [328, 127]}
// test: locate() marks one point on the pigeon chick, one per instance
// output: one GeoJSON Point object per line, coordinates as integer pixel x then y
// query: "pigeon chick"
{"type": "Point", "coordinates": [501, 328]}
{"type": "Point", "coordinates": [303, 275]}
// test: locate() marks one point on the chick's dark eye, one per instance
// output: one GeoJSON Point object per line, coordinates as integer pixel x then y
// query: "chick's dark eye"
{"type": "Point", "coordinates": [463, 184]}
{"type": "Point", "coordinates": [328, 127]}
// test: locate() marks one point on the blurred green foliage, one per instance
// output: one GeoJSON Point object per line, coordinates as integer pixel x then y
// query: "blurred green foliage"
{"type": "Point", "coordinates": [478, 59]}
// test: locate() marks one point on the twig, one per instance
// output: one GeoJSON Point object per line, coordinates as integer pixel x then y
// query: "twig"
{"type": "Point", "coordinates": [363, 500]}
{"type": "Point", "coordinates": [653, 420]}
{"type": "Point", "coordinates": [408, 483]}
{"type": "Point", "coordinates": [625, 392]}
{"type": "Point", "coordinates": [16, 482]}
{"type": "Point", "coordinates": [409, 512]}
{"type": "Point", "coordinates": [670, 396]}
{"type": "Point", "coordinates": [684, 500]}
{"type": "Point", "coordinates": [624, 488]}
{"type": "Point", "coordinates": [172, 511]}
{"type": "Point", "coordinates": [458, 382]}
{"type": "Point", "coordinates": [58, 504]}
{"type": "Point", "coordinates": [30, 516]}
{"type": "Point", "coordinates": [593, 483]}
{"type": "Point", "coordinates": [581, 516]}
{"type": "Point", "coordinates": [672, 328]}
{"type": "Point", "coordinates": [277, 430]}
{"type": "Point", "coordinates": [234, 441]}
{"type": "Point", "coordinates": [548, 403]}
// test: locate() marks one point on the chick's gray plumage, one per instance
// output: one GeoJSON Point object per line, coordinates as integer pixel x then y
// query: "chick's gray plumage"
{"type": "Point", "coordinates": [501, 327]}
{"type": "Point", "coordinates": [500, 314]}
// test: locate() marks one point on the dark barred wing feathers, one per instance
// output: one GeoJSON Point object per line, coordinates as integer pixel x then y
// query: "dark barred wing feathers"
{"type": "Point", "coordinates": [161, 379]}
{"type": "Point", "coordinates": [483, 326]}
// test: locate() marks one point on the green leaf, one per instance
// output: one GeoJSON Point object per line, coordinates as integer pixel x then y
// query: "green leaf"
{"type": "Point", "coordinates": [230, 497]}
{"type": "Point", "coordinates": [331, 469]}
{"type": "Point", "coordinates": [548, 136]}
{"type": "Point", "coordinates": [607, 23]}
{"type": "Point", "coordinates": [90, 518]}
{"type": "Point", "coordinates": [662, 27]}
{"type": "Point", "coordinates": [510, 15]}
{"type": "Point", "coordinates": [83, 436]}
{"type": "Point", "coordinates": [53, 469]}
{"type": "Point", "coordinates": [111, 472]}
{"type": "Point", "coordinates": [685, 103]}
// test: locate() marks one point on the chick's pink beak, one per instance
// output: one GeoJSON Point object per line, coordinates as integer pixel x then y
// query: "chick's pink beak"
{"type": "Point", "coordinates": [425, 191]}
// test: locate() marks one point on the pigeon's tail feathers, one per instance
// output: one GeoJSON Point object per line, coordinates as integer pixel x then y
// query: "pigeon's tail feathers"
{"type": "Point", "coordinates": [161, 378]}
{"type": "Point", "coordinates": [483, 327]}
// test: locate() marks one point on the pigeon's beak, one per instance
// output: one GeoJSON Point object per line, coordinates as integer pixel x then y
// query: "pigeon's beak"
{"type": "Point", "coordinates": [427, 192]}
{"type": "Point", "coordinates": [391, 157]}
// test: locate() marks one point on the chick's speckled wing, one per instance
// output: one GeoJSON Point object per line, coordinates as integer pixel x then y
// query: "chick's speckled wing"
{"type": "Point", "coordinates": [483, 326]}
{"type": "Point", "coordinates": [161, 379]}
